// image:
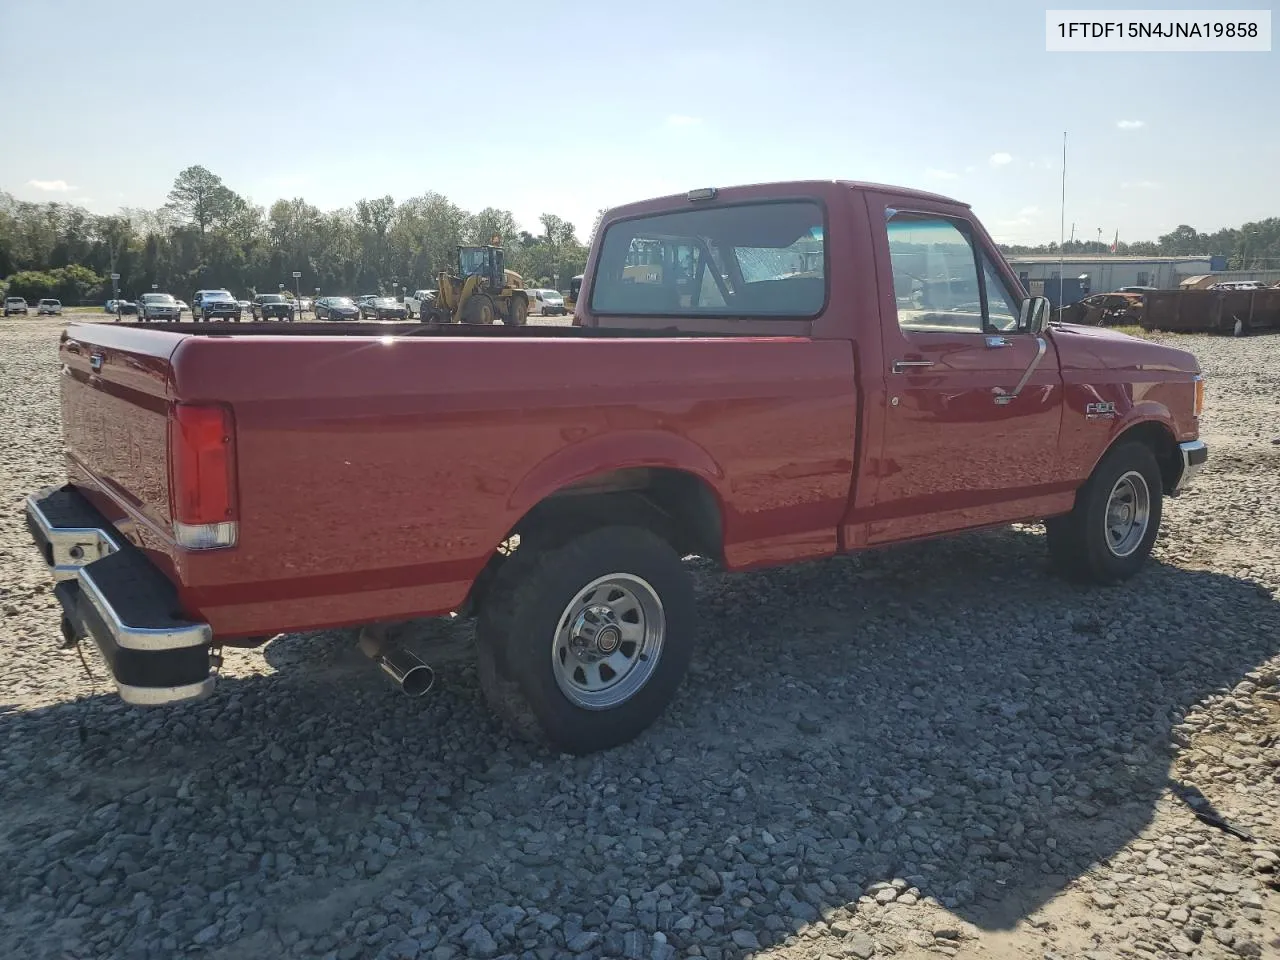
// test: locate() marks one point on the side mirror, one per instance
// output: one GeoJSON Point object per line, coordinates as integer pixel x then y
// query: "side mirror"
{"type": "Point", "coordinates": [1034, 314]}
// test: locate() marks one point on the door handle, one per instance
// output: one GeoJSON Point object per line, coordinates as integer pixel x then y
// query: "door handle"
{"type": "Point", "coordinates": [900, 366]}
{"type": "Point", "coordinates": [994, 342]}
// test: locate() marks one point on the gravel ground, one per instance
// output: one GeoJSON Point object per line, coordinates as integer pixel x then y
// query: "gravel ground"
{"type": "Point", "coordinates": [949, 752]}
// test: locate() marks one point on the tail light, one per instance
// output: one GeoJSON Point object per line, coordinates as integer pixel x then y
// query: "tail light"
{"type": "Point", "coordinates": [1199, 396]}
{"type": "Point", "coordinates": [202, 480]}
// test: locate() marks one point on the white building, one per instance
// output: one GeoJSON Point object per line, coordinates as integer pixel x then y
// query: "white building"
{"type": "Point", "coordinates": [1102, 274]}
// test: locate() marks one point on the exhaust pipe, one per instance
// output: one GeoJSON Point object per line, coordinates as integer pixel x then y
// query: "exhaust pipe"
{"type": "Point", "coordinates": [408, 670]}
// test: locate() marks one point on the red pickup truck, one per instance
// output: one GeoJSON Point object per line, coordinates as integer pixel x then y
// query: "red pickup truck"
{"type": "Point", "coordinates": [756, 375]}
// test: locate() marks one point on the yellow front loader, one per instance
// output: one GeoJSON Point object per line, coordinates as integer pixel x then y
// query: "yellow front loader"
{"type": "Point", "coordinates": [482, 291]}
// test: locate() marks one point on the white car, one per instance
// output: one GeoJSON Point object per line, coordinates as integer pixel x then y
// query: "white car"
{"type": "Point", "coordinates": [413, 304]}
{"type": "Point", "coordinates": [546, 303]}
{"type": "Point", "coordinates": [49, 307]}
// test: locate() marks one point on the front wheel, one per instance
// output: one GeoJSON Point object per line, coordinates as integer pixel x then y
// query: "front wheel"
{"type": "Point", "coordinates": [1108, 535]}
{"type": "Point", "coordinates": [518, 312]}
{"type": "Point", "coordinates": [583, 645]}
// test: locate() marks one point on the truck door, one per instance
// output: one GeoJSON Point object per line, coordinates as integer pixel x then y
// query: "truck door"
{"type": "Point", "coordinates": [974, 403]}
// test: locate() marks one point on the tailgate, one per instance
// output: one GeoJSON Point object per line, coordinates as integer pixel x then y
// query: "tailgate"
{"type": "Point", "coordinates": [115, 400]}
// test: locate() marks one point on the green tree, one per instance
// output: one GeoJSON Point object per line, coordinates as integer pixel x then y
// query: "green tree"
{"type": "Point", "coordinates": [200, 197]}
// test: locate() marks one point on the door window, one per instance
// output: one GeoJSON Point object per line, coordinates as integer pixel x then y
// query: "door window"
{"type": "Point", "coordinates": [935, 279]}
{"type": "Point", "coordinates": [935, 275]}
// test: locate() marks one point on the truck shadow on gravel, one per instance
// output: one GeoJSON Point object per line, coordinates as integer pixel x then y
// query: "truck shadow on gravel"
{"type": "Point", "coordinates": [947, 715]}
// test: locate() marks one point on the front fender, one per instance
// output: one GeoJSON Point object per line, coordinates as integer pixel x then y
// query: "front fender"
{"type": "Point", "coordinates": [599, 455]}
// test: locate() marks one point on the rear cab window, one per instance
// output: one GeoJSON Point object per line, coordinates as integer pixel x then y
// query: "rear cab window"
{"type": "Point", "coordinates": [761, 259]}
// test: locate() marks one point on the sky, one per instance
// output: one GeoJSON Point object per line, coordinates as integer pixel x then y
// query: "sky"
{"type": "Point", "coordinates": [565, 107]}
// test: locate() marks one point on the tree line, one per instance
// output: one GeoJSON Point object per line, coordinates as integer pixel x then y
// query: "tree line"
{"type": "Point", "coordinates": [208, 236]}
{"type": "Point", "coordinates": [1254, 246]}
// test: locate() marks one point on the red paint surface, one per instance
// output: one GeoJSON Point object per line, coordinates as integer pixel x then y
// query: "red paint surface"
{"type": "Point", "coordinates": [375, 478]}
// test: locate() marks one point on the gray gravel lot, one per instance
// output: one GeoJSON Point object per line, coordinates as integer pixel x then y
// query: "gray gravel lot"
{"type": "Point", "coordinates": [935, 750]}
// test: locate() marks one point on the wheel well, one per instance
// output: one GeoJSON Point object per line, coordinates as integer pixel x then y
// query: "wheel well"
{"type": "Point", "coordinates": [678, 506]}
{"type": "Point", "coordinates": [1162, 443]}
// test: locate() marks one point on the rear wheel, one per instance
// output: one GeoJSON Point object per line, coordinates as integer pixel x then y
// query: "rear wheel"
{"type": "Point", "coordinates": [1108, 535]}
{"type": "Point", "coordinates": [583, 645]}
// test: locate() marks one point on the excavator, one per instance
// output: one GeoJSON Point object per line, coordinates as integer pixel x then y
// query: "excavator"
{"type": "Point", "coordinates": [482, 291]}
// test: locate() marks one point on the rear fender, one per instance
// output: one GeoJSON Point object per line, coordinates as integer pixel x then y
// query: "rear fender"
{"type": "Point", "coordinates": [580, 461]}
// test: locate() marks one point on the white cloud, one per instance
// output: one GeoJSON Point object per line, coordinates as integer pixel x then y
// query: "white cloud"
{"type": "Point", "coordinates": [1130, 124]}
{"type": "Point", "coordinates": [1139, 185]}
{"type": "Point", "coordinates": [683, 120]}
{"type": "Point", "coordinates": [1000, 159]}
{"type": "Point", "coordinates": [970, 169]}
{"type": "Point", "coordinates": [934, 174]}
{"type": "Point", "coordinates": [51, 186]}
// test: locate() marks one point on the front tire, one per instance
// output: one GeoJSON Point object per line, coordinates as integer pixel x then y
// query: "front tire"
{"type": "Point", "coordinates": [583, 645]}
{"type": "Point", "coordinates": [519, 312]}
{"type": "Point", "coordinates": [1109, 534]}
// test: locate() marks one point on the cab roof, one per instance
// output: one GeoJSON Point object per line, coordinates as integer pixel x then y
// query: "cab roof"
{"type": "Point", "coordinates": [782, 188]}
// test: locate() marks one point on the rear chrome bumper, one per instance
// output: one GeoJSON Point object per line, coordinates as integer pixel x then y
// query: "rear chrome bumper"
{"type": "Point", "coordinates": [111, 593]}
{"type": "Point", "coordinates": [1195, 453]}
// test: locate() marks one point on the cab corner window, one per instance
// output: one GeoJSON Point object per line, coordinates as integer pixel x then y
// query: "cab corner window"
{"type": "Point", "coordinates": [743, 260]}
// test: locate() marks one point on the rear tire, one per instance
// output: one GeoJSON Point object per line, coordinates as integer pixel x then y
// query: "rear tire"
{"type": "Point", "coordinates": [545, 675]}
{"type": "Point", "coordinates": [1108, 535]}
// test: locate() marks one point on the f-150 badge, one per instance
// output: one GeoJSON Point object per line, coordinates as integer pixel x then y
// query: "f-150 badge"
{"type": "Point", "coordinates": [1102, 410]}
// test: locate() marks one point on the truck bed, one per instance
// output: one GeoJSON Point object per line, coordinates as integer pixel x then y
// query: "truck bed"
{"type": "Point", "coordinates": [365, 328]}
{"type": "Point", "coordinates": [379, 466]}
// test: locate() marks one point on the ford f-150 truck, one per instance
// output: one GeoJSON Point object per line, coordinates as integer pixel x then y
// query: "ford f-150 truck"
{"type": "Point", "coordinates": [757, 375]}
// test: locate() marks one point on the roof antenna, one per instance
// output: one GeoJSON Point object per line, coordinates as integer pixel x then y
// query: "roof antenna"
{"type": "Point", "coordinates": [1062, 227]}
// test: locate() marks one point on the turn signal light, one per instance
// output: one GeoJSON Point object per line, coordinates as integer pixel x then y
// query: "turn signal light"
{"type": "Point", "coordinates": [1199, 395]}
{"type": "Point", "coordinates": [202, 476]}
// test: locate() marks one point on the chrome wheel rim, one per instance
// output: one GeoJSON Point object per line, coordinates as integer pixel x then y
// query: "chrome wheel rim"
{"type": "Point", "coordinates": [608, 641]}
{"type": "Point", "coordinates": [1128, 513]}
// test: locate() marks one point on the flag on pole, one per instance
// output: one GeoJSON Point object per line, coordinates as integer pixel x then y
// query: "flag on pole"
{"type": "Point", "coordinates": [1115, 244]}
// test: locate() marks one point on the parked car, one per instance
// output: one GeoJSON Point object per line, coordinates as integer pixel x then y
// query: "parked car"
{"type": "Point", "coordinates": [545, 303]}
{"type": "Point", "coordinates": [381, 308]}
{"type": "Point", "coordinates": [413, 304]}
{"type": "Point", "coordinates": [161, 307]}
{"type": "Point", "coordinates": [183, 307]}
{"type": "Point", "coordinates": [336, 308]}
{"type": "Point", "coordinates": [1237, 285]}
{"type": "Point", "coordinates": [269, 306]}
{"type": "Point", "coordinates": [121, 307]}
{"type": "Point", "coordinates": [245, 306]}
{"type": "Point", "coordinates": [215, 304]}
{"type": "Point", "coordinates": [15, 305]}
{"type": "Point", "coordinates": [304, 305]}
{"type": "Point", "coordinates": [549, 480]}
{"type": "Point", "coordinates": [49, 307]}
{"type": "Point", "coordinates": [1104, 309]}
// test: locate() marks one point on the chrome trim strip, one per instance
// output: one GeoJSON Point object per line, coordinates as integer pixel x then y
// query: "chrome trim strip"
{"type": "Point", "coordinates": [1003, 398]}
{"type": "Point", "coordinates": [164, 696]}
{"type": "Point", "coordinates": [1190, 469]}
{"type": "Point", "coordinates": [92, 543]}
{"type": "Point", "coordinates": [142, 638]}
